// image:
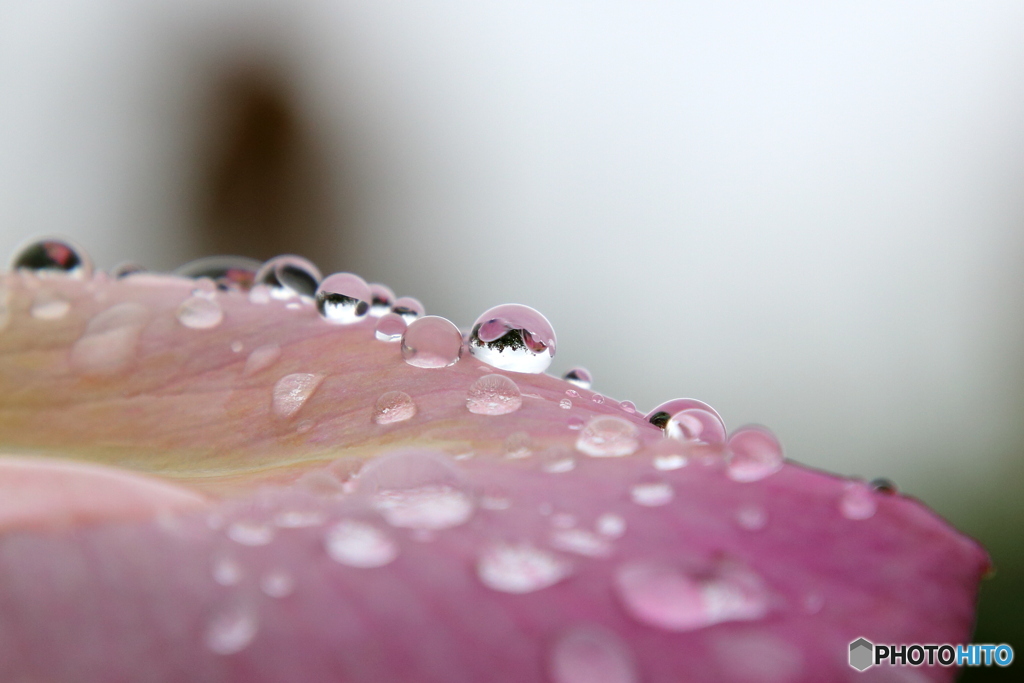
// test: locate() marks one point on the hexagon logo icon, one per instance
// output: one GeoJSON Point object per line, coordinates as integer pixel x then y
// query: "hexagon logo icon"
{"type": "Point", "coordinates": [861, 653]}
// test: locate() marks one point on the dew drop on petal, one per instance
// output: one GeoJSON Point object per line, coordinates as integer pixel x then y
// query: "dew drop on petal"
{"type": "Point", "coordinates": [581, 377]}
{"type": "Point", "coordinates": [611, 525]}
{"type": "Point", "coordinates": [520, 568]}
{"type": "Point", "coordinates": [393, 406]}
{"type": "Point", "coordinates": [754, 453]}
{"type": "Point", "coordinates": [292, 391]}
{"type": "Point", "coordinates": [665, 462]}
{"type": "Point", "coordinates": [696, 424]}
{"type": "Point", "coordinates": [227, 272]}
{"type": "Point", "coordinates": [381, 299]}
{"type": "Point", "coordinates": [247, 532]}
{"type": "Point", "coordinates": [518, 445]}
{"type": "Point", "coordinates": [408, 308]}
{"type": "Point", "coordinates": [299, 519]}
{"type": "Point", "coordinates": [200, 313]}
{"type": "Point", "coordinates": [359, 544]}
{"type": "Point", "coordinates": [261, 358]}
{"type": "Point", "coordinates": [259, 294]}
{"type": "Point", "coordinates": [660, 416]}
{"type": "Point", "coordinates": [343, 298]}
{"type": "Point", "coordinates": [227, 571]}
{"type": "Point", "coordinates": [493, 395]}
{"type": "Point", "coordinates": [565, 404]}
{"type": "Point", "coordinates": [607, 436]}
{"type": "Point", "coordinates": [751, 517]}
{"type": "Point", "coordinates": [231, 630]}
{"type": "Point", "coordinates": [581, 542]}
{"type": "Point", "coordinates": [289, 276]}
{"type": "Point", "coordinates": [652, 493]}
{"type": "Point", "coordinates": [431, 342]}
{"type": "Point", "coordinates": [597, 398]}
{"type": "Point", "coordinates": [513, 337]}
{"type": "Point", "coordinates": [628, 406]}
{"type": "Point", "coordinates": [277, 583]}
{"type": "Point", "coordinates": [858, 501]}
{"type": "Point", "coordinates": [575, 423]}
{"type": "Point", "coordinates": [572, 393]}
{"type": "Point", "coordinates": [883, 485]}
{"type": "Point", "coordinates": [432, 507]}
{"type": "Point", "coordinates": [53, 256]}
{"type": "Point", "coordinates": [390, 328]}
{"type": "Point", "coordinates": [591, 654]}
{"type": "Point", "coordinates": [557, 461]}
{"type": "Point", "coordinates": [49, 306]}
{"type": "Point", "coordinates": [237, 347]}
{"type": "Point", "coordinates": [110, 342]}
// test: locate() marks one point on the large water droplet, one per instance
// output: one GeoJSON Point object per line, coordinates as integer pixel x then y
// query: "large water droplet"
{"type": "Point", "coordinates": [390, 328]}
{"type": "Point", "coordinates": [200, 313]}
{"type": "Point", "coordinates": [228, 272]}
{"type": "Point", "coordinates": [359, 544]}
{"type": "Point", "coordinates": [49, 306]}
{"type": "Point", "coordinates": [53, 256]}
{"type": "Point", "coordinates": [754, 453]}
{"type": "Point", "coordinates": [292, 391]}
{"type": "Point", "coordinates": [231, 630]}
{"type": "Point", "coordinates": [696, 424]}
{"type": "Point", "coordinates": [381, 299]}
{"type": "Point", "coordinates": [591, 654]}
{"type": "Point", "coordinates": [249, 532]}
{"type": "Point", "coordinates": [666, 597]}
{"type": "Point", "coordinates": [652, 493]}
{"type": "Point", "coordinates": [343, 298]}
{"type": "Point", "coordinates": [493, 395]}
{"type": "Point", "coordinates": [661, 415]}
{"type": "Point", "coordinates": [110, 342]}
{"type": "Point", "coordinates": [409, 308]}
{"type": "Point", "coordinates": [277, 583]}
{"type": "Point", "coordinates": [431, 342]}
{"type": "Point", "coordinates": [520, 568]}
{"type": "Point", "coordinates": [393, 406]}
{"type": "Point", "coordinates": [518, 445]}
{"type": "Point", "coordinates": [668, 455]}
{"type": "Point", "coordinates": [513, 337]}
{"type": "Point", "coordinates": [581, 377]}
{"type": "Point", "coordinates": [432, 507]}
{"type": "Point", "coordinates": [607, 436]}
{"type": "Point", "coordinates": [581, 542]}
{"type": "Point", "coordinates": [858, 501]}
{"type": "Point", "coordinates": [288, 276]}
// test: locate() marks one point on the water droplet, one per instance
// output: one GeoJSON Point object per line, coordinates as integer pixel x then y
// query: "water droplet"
{"type": "Point", "coordinates": [343, 299]}
{"type": "Point", "coordinates": [754, 453]}
{"type": "Point", "coordinates": [513, 337]}
{"type": "Point", "coordinates": [200, 313]}
{"type": "Point", "coordinates": [259, 294]}
{"type": "Point", "coordinates": [299, 519]}
{"type": "Point", "coordinates": [661, 415]}
{"type": "Point", "coordinates": [572, 393]}
{"type": "Point", "coordinates": [607, 436]}
{"type": "Point", "coordinates": [611, 525]}
{"type": "Point", "coordinates": [664, 462]}
{"type": "Point", "coordinates": [237, 347]}
{"type": "Point", "coordinates": [227, 571]}
{"type": "Point", "coordinates": [390, 327]}
{"type": "Point", "coordinates": [261, 358]}
{"type": "Point", "coordinates": [359, 544]}
{"type": "Point", "coordinates": [231, 630]}
{"type": "Point", "coordinates": [277, 583]}
{"type": "Point", "coordinates": [292, 391]}
{"type": "Point", "coordinates": [665, 597]}
{"type": "Point", "coordinates": [408, 308]}
{"type": "Point", "coordinates": [752, 517]}
{"type": "Point", "coordinates": [381, 300]}
{"type": "Point", "coordinates": [581, 377]}
{"type": "Point", "coordinates": [227, 272]}
{"type": "Point", "coordinates": [652, 493]}
{"type": "Point", "coordinates": [289, 276]}
{"type": "Point", "coordinates": [393, 406]}
{"type": "Point", "coordinates": [575, 423]}
{"type": "Point", "coordinates": [628, 406]}
{"type": "Point", "coordinates": [110, 341]}
{"type": "Point", "coordinates": [565, 404]}
{"type": "Point", "coordinates": [247, 532]}
{"type": "Point", "coordinates": [696, 424]}
{"type": "Point", "coordinates": [49, 306]}
{"type": "Point", "coordinates": [591, 654]}
{"type": "Point", "coordinates": [53, 256]}
{"type": "Point", "coordinates": [883, 485]}
{"type": "Point", "coordinates": [493, 395]}
{"type": "Point", "coordinates": [431, 342]}
{"type": "Point", "coordinates": [126, 269]}
{"type": "Point", "coordinates": [858, 501]}
{"type": "Point", "coordinates": [581, 542]}
{"type": "Point", "coordinates": [426, 507]}
{"type": "Point", "coordinates": [557, 461]}
{"type": "Point", "coordinates": [520, 568]}
{"type": "Point", "coordinates": [597, 398]}
{"type": "Point", "coordinates": [518, 445]}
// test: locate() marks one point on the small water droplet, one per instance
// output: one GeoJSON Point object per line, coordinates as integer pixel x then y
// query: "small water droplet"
{"type": "Point", "coordinates": [261, 358]}
{"type": "Point", "coordinates": [200, 313]}
{"type": "Point", "coordinates": [661, 415]}
{"type": "Point", "coordinates": [858, 501]}
{"type": "Point", "coordinates": [581, 377]}
{"type": "Point", "coordinates": [227, 571]}
{"type": "Point", "coordinates": [591, 654]}
{"type": "Point", "coordinates": [409, 308]}
{"type": "Point", "coordinates": [53, 256]}
{"type": "Point", "coordinates": [493, 395]}
{"type": "Point", "coordinates": [628, 406]}
{"type": "Point", "coordinates": [581, 542]}
{"type": "Point", "coordinates": [248, 532]}
{"type": "Point", "coordinates": [575, 423]}
{"type": "Point", "coordinates": [513, 337]}
{"type": "Point", "coordinates": [611, 525]}
{"type": "Point", "coordinates": [343, 299]}
{"type": "Point", "coordinates": [237, 347]}
{"type": "Point", "coordinates": [652, 493]}
{"type": "Point", "coordinates": [226, 272]}
{"type": "Point", "coordinates": [557, 461]}
{"type": "Point", "coordinates": [752, 517]}
{"type": "Point", "coordinates": [565, 404]}
{"type": "Point", "coordinates": [698, 425]}
{"type": "Point", "coordinates": [520, 568]}
{"type": "Point", "coordinates": [390, 328]}
{"type": "Point", "coordinates": [289, 276]}
{"type": "Point", "coordinates": [231, 630]}
{"type": "Point", "coordinates": [607, 436]}
{"type": "Point", "coordinates": [381, 299]}
{"type": "Point", "coordinates": [754, 453]}
{"type": "Point", "coordinates": [431, 342]}
{"type": "Point", "coordinates": [426, 507]}
{"type": "Point", "coordinates": [299, 519]}
{"type": "Point", "coordinates": [664, 462]}
{"type": "Point", "coordinates": [597, 398]}
{"type": "Point", "coordinates": [110, 341]}
{"type": "Point", "coordinates": [292, 391]}
{"type": "Point", "coordinates": [518, 445]}
{"type": "Point", "coordinates": [359, 544]}
{"type": "Point", "coordinates": [49, 306]}
{"type": "Point", "coordinates": [665, 597]}
{"type": "Point", "coordinates": [883, 485]}
{"type": "Point", "coordinates": [277, 583]}
{"type": "Point", "coordinates": [393, 406]}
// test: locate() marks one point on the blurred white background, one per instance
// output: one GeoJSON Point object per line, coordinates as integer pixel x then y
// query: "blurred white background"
{"type": "Point", "coordinates": [809, 215]}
